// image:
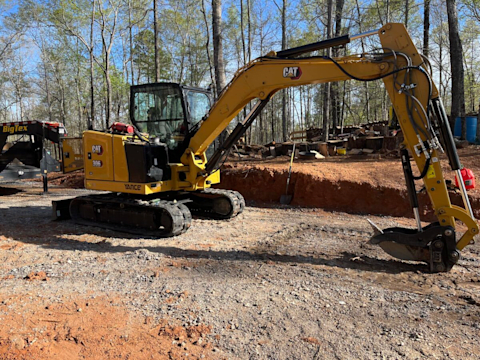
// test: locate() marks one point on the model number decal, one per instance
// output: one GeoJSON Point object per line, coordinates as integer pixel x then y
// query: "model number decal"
{"type": "Point", "coordinates": [132, 187]}
{"type": "Point", "coordinates": [97, 163]}
{"type": "Point", "coordinates": [97, 149]}
{"type": "Point", "coordinates": [292, 72]}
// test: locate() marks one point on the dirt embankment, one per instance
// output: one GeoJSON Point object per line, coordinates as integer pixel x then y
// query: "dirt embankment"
{"type": "Point", "coordinates": [352, 185]}
{"type": "Point", "coordinates": [267, 185]}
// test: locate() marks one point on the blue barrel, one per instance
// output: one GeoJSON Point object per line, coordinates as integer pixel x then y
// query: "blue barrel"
{"type": "Point", "coordinates": [471, 123]}
{"type": "Point", "coordinates": [457, 131]}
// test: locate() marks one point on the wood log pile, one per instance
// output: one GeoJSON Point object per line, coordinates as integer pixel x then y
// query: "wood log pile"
{"type": "Point", "coordinates": [373, 140]}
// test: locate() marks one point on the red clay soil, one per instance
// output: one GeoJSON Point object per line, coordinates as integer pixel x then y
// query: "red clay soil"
{"type": "Point", "coordinates": [342, 183]}
{"type": "Point", "coordinates": [73, 180]}
{"type": "Point", "coordinates": [96, 328]}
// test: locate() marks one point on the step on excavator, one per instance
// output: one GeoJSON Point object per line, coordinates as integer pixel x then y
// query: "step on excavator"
{"type": "Point", "coordinates": [158, 175]}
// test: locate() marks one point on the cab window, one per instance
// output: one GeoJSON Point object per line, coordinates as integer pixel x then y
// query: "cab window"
{"type": "Point", "coordinates": [158, 111]}
{"type": "Point", "coordinates": [198, 106]}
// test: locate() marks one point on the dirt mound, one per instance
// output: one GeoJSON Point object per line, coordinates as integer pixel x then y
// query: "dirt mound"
{"type": "Point", "coordinates": [97, 328]}
{"type": "Point", "coordinates": [74, 180]}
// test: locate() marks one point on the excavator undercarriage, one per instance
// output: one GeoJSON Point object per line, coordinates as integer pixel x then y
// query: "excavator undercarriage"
{"type": "Point", "coordinates": [165, 215]}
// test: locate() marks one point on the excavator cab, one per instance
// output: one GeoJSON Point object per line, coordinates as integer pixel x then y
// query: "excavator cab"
{"type": "Point", "coordinates": [169, 113]}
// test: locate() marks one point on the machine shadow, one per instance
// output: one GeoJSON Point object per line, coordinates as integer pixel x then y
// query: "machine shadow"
{"type": "Point", "coordinates": [50, 234]}
{"type": "Point", "coordinates": [5, 191]}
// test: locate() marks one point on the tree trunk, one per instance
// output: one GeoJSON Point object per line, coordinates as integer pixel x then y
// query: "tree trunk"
{"type": "Point", "coordinates": [301, 91]}
{"type": "Point", "coordinates": [92, 70]}
{"type": "Point", "coordinates": [79, 99]}
{"type": "Point", "coordinates": [106, 70]}
{"type": "Point", "coordinates": [155, 35]}
{"type": "Point", "coordinates": [47, 91]}
{"type": "Point", "coordinates": [220, 80]}
{"type": "Point", "coordinates": [308, 121]}
{"type": "Point", "coordinates": [326, 94]}
{"type": "Point", "coordinates": [365, 84]}
{"type": "Point", "coordinates": [273, 121]}
{"type": "Point", "coordinates": [130, 36]}
{"type": "Point", "coordinates": [407, 10]}
{"type": "Point", "coordinates": [249, 31]}
{"type": "Point", "coordinates": [263, 130]}
{"type": "Point", "coordinates": [440, 61]}
{"type": "Point", "coordinates": [284, 92]}
{"type": "Point", "coordinates": [63, 110]}
{"type": "Point", "coordinates": [242, 27]}
{"type": "Point", "coordinates": [207, 45]}
{"type": "Point", "coordinates": [335, 89]}
{"type": "Point", "coordinates": [456, 62]}
{"type": "Point", "coordinates": [472, 86]}
{"type": "Point", "coordinates": [244, 51]}
{"type": "Point", "coordinates": [387, 11]}
{"type": "Point", "coordinates": [426, 26]}
{"type": "Point", "coordinates": [108, 108]}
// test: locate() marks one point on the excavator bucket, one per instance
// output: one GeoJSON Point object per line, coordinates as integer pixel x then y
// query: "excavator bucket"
{"type": "Point", "coordinates": [402, 251]}
{"type": "Point", "coordinates": [434, 245]}
{"type": "Point", "coordinates": [397, 249]}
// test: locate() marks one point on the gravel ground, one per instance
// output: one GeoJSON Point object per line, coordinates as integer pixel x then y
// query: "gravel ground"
{"type": "Point", "coordinates": [273, 283]}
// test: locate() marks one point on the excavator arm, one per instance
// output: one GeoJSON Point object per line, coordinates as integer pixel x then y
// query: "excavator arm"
{"type": "Point", "coordinates": [417, 105]}
{"type": "Point", "coordinates": [423, 119]}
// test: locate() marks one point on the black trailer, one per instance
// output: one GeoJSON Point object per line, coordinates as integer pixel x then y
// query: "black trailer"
{"type": "Point", "coordinates": [30, 149]}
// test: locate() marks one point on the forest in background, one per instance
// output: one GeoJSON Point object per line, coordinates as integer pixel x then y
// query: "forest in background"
{"type": "Point", "coordinates": [68, 61]}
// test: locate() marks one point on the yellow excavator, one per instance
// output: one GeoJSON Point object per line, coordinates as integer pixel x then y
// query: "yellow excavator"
{"type": "Point", "coordinates": [158, 173]}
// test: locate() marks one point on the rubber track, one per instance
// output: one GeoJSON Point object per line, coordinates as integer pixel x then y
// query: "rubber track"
{"type": "Point", "coordinates": [241, 200]}
{"type": "Point", "coordinates": [179, 213]}
{"type": "Point", "coordinates": [235, 198]}
{"type": "Point", "coordinates": [187, 215]}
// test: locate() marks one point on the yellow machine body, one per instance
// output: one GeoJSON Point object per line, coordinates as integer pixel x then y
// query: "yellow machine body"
{"type": "Point", "coordinates": [107, 167]}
